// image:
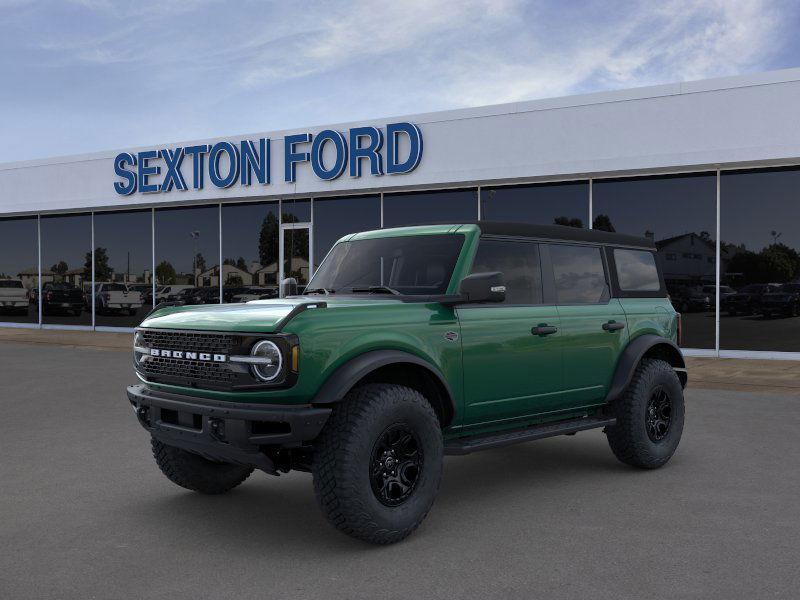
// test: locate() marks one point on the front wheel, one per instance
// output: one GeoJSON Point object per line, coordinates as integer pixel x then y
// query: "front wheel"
{"type": "Point", "coordinates": [378, 463]}
{"type": "Point", "coordinates": [649, 416]}
{"type": "Point", "coordinates": [193, 472]}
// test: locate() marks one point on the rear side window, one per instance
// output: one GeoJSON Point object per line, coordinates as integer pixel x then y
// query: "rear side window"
{"type": "Point", "coordinates": [519, 263]}
{"type": "Point", "coordinates": [579, 274]}
{"type": "Point", "coordinates": [636, 271]}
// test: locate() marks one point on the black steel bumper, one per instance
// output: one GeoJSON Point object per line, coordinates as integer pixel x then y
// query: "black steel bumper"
{"type": "Point", "coordinates": [225, 431]}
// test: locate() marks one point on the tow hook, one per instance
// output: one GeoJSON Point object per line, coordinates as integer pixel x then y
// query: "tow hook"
{"type": "Point", "coordinates": [217, 429]}
{"type": "Point", "coordinates": [143, 414]}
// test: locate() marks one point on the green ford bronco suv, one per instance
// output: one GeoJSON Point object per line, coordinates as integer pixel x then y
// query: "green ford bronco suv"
{"type": "Point", "coordinates": [409, 344]}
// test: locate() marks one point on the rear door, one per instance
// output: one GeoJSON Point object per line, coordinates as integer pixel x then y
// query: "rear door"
{"type": "Point", "coordinates": [511, 351]}
{"type": "Point", "coordinates": [593, 325]}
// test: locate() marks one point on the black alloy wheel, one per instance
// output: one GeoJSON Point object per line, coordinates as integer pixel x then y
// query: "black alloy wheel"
{"type": "Point", "coordinates": [658, 414]}
{"type": "Point", "coordinates": [395, 465]}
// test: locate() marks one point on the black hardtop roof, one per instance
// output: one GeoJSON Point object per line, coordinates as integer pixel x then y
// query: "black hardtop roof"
{"type": "Point", "coordinates": [562, 232]}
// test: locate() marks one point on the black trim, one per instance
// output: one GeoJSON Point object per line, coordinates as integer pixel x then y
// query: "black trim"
{"type": "Point", "coordinates": [297, 310]}
{"type": "Point", "coordinates": [225, 430]}
{"type": "Point", "coordinates": [632, 356]}
{"type": "Point", "coordinates": [560, 233]}
{"type": "Point", "coordinates": [467, 445]}
{"type": "Point", "coordinates": [351, 372]}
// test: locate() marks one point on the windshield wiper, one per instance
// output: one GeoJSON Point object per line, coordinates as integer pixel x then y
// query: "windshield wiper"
{"type": "Point", "coordinates": [376, 289]}
{"type": "Point", "coordinates": [320, 290]}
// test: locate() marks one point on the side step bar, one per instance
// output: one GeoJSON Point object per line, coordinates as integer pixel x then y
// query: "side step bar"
{"type": "Point", "coordinates": [460, 446]}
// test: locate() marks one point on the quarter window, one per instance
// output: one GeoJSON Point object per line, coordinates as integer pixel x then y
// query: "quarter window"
{"type": "Point", "coordinates": [579, 274]}
{"type": "Point", "coordinates": [519, 264]}
{"type": "Point", "coordinates": [636, 271]}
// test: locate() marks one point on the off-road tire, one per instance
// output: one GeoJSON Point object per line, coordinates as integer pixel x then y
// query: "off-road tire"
{"type": "Point", "coordinates": [193, 472]}
{"type": "Point", "coordinates": [344, 454]}
{"type": "Point", "coordinates": [628, 438]}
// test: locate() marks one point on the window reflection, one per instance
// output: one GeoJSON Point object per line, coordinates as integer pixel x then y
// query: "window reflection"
{"type": "Point", "coordinates": [336, 217]}
{"type": "Point", "coordinates": [123, 267]}
{"type": "Point", "coordinates": [679, 214]}
{"type": "Point", "coordinates": [19, 270]}
{"type": "Point", "coordinates": [187, 255]}
{"type": "Point", "coordinates": [430, 207]}
{"type": "Point", "coordinates": [249, 251]}
{"type": "Point", "coordinates": [760, 267]}
{"type": "Point", "coordinates": [67, 269]}
{"type": "Point", "coordinates": [543, 204]}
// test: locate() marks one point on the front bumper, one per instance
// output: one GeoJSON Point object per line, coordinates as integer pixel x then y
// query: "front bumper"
{"type": "Point", "coordinates": [225, 431]}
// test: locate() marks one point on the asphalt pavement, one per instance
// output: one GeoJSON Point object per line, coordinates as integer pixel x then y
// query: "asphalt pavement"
{"type": "Point", "coordinates": [85, 513]}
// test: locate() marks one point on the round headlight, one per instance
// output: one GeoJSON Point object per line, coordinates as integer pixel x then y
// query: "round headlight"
{"type": "Point", "coordinates": [138, 342]}
{"type": "Point", "coordinates": [269, 367]}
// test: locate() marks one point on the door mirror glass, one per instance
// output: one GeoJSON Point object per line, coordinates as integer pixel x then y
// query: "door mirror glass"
{"type": "Point", "coordinates": [483, 287]}
{"type": "Point", "coordinates": [289, 287]}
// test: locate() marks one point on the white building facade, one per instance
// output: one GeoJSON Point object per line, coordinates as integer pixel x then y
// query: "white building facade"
{"type": "Point", "coordinates": [709, 169]}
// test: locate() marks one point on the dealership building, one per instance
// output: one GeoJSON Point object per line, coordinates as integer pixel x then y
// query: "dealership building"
{"type": "Point", "coordinates": [709, 170]}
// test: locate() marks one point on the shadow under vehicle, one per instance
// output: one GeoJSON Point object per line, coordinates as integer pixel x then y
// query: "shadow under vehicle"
{"type": "Point", "coordinates": [13, 296]}
{"type": "Point", "coordinates": [687, 299]}
{"type": "Point", "coordinates": [62, 298]}
{"type": "Point", "coordinates": [783, 302]}
{"type": "Point", "coordinates": [747, 301]}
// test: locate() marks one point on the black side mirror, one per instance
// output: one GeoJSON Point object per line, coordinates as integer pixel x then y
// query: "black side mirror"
{"type": "Point", "coordinates": [483, 287]}
{"type": "Point", "coordinates": [289, 287]}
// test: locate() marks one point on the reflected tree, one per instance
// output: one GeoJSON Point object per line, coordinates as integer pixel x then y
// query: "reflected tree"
{"type": "Point", "coordinates": [603, 223]}
{"type": "Point", "coordinates": [165, 273]}
{"type": "Point", "coordinates": [568, 221]}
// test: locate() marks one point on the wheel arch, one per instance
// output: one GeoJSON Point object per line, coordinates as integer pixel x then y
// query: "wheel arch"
{"type": "Point", "coordinates": [391, 366]}
{"type": "Point", "coordinates": [645, 346]}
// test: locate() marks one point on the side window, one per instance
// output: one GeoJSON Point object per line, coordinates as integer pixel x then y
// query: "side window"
{"type": "Point", "coordinates": [579, 274]}
{"type": "Point", "coordinates": [636, 271]}
{"type": "Point", "coordinates": [519, 263]}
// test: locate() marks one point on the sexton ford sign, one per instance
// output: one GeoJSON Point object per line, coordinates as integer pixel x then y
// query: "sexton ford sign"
{"type": "Point", "coordinates": [330, 153]}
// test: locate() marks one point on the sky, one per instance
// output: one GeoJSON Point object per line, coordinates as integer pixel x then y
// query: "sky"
{"type": "Point", "coordinates": [81, 76]}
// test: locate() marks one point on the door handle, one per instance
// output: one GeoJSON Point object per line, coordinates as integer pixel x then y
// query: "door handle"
{"type": "Point", "coordinates": [544, 330]}
{"type": "Point", "coordinates": [613, 326]}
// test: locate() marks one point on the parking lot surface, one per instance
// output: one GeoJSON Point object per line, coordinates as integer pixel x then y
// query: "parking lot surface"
{"type": "Point", "coordinates": [85, 513]}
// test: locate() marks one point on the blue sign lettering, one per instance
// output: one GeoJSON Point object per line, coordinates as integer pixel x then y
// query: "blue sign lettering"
{"type": "Point", "coordinates": [330, 153]}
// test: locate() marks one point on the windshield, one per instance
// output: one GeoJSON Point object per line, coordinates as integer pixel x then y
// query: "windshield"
{"type": "Point", "coordinates": [410, 265]}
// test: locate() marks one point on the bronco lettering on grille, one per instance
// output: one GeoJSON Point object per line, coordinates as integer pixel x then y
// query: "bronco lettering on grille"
{"type": "Point", "coordinates": [204, 356]}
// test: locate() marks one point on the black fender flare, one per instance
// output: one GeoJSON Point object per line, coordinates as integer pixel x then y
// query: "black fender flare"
{"type": "Point", "coordinates": [350, 373]}
{"type": "Point", "coordinates": [632, 356]}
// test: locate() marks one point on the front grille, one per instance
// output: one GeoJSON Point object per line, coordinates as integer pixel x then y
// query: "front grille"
{"type": "Point", "coordinates": [190, 340]}
{"type": "Point", "coordinates": [199, 373]}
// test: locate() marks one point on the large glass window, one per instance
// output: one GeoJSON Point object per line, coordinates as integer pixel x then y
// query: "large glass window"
{"type": "Point", "coordinates": [249, 251]}
{"type": "Point", "coordinates": [542, 204]}
{"type": "Point", "coordinates": [679, 214]}
{"type": "Point", "coordinates": [336, 217]}
{"type": "Point", "coordinates": [187, 255]}
{"type": "Point", "coordinates": [760, 260]}
{"type": "Point", "coordinates": [123, 267]}
{"type": "Point", "coordinates": [19, 270]}
{"type": "Point", "coordinates": [519, 264]}
{"type": "Point", "coordinates": [67, 269]}
{"type": "Point", "coordinates": [430, 207]}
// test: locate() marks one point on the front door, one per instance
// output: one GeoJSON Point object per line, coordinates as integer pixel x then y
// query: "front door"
{"type": "Point", "coordinates": [295, 252]}
{"type": "Point", "coordinates": [511, 351]}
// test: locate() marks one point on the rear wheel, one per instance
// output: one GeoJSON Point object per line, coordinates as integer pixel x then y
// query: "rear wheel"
{"type": "Point", "coordinates": [649, 416]}
{"type": "Point", "coordinates": [378, 463]}
{"type": "Point", "coordinates": [193, 472]}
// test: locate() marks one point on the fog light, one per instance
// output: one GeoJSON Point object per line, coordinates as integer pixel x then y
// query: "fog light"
{"type": "Point", "coordinates": [270, 363]}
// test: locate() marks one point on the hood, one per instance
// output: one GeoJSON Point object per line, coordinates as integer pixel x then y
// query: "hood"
{"type": "Point", "coordinates": [258, 316]}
